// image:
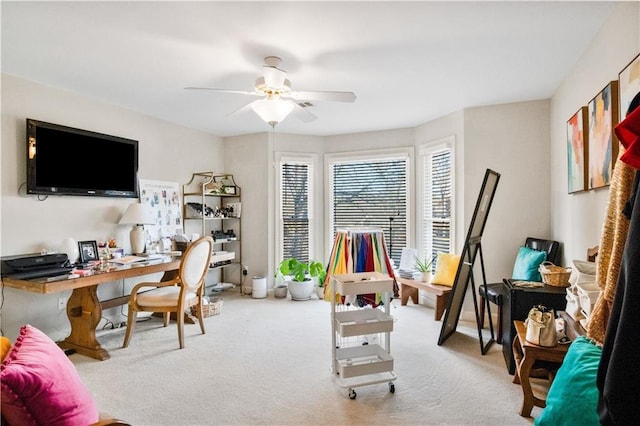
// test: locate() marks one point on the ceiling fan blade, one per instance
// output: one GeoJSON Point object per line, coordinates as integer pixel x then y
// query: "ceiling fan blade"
{"type": "Point", "coordinates": [274, 77]}
{"type": "Point", "coordinates": [301, 95]}
{"type": "Point", "coordinates": [241, 110]}
{"type": "Point", "coordinates": [303, 114]}
{"type": "Point", "coordinates": [240, 92]}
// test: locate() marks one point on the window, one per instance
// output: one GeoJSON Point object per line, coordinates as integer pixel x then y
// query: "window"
{"type": "Point", "coordinates": [371, 191]}
{"type": "Point", "coordinates": [295, 215]}
{"type": "Point", "coordinates": [437, 212]}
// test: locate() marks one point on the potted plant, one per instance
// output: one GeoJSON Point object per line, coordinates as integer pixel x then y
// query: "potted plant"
{"type": "Point", "coordinates": [302, 274]}
{"type": "Point", "coordinates": [424, 267]}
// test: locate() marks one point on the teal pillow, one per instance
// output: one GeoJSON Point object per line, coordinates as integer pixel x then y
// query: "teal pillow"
{"type": "Point", "coordinates": [527, 263]}
{"type": "Point", "coordinates": [573, 396]}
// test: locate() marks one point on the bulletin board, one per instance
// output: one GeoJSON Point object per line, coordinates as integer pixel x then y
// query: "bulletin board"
{"type": "Point", "coordinates": [163, 199]}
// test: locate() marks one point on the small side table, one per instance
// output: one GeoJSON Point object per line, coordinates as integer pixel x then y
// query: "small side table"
{"type": "Point", "coordinates": [526, 354]}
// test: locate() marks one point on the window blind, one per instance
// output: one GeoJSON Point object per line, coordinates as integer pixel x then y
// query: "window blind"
{"type": "Point", "coordinates": [437, 207]}
{"type": "Point", "coordinates": [295, 220]}
{"type": "Point", "coordinates": [372, 193]}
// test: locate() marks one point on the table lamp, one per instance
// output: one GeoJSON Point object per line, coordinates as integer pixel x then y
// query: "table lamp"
{"type": "Point", "coordinates": [138, 216]}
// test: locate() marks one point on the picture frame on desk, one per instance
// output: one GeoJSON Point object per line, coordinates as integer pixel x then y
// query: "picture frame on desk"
{"type": "Point", "coordinates": [88, 251]}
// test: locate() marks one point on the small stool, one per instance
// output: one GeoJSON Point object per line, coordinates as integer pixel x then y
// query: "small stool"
{"type": "Point", "coordinates": [495, 295]}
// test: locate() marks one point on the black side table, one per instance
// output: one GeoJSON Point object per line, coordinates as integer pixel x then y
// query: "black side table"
{"type": "Point", "coordinates": [518, 301]}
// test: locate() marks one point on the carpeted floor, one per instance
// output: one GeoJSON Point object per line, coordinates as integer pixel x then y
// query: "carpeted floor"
{"type": "Point", "coordinates": [267, 361]}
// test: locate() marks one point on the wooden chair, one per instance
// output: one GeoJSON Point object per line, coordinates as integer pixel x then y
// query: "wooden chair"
{"type": "Point", "coordinates": [175, 295]}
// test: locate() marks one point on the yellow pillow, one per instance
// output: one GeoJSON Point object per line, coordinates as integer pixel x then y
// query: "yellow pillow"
{"type": "Point", "coordinates": [5, 345]}
{"type": "Point", "coordinates": [446, 268]}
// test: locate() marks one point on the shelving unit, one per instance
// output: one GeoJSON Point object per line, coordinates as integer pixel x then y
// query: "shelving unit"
{"type": "Point", "coordinates": [212, 200]}
{"type": "Point", "coordinates": [361, 344]}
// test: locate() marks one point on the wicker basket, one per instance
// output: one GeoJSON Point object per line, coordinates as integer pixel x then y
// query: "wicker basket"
{"type": "Point", "coordinates": [214, 307]}
{"type": "Point", "coordinates": [557, 276]}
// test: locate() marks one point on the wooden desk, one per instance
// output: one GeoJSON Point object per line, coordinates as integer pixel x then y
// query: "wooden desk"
{"type": "Point", "coordinates": [84, 310]}
{"type": "Point", "coordinates": [526, 354]}
{"type": "Point", "coordinates": [409, 288]}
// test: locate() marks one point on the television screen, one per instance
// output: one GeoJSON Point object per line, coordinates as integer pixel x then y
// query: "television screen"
{"type": "Point", "coordinates": [62, 160]}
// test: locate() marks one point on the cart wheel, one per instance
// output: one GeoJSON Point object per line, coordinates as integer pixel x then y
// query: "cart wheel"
{"type": "Point", "coordinates": [352, 394]}
{"type": "Point", "coordinates": [392, 387]}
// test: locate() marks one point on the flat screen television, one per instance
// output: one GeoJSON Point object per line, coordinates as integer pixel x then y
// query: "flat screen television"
{"type": "Point", "coordinates": [63, 160]}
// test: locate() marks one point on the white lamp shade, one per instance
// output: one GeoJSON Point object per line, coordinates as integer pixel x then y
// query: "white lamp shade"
{"type": "Point", "coordinates": [137, 214]}
{"type": "Point", "coordinates": [272, 111]}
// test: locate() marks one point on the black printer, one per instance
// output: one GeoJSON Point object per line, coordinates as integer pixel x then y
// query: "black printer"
{"type": "Point", "coordinates": [35, 265]}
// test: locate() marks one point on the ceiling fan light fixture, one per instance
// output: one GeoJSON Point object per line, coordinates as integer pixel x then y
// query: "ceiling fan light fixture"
{"type": "Point", "coordinates": [272, 110]}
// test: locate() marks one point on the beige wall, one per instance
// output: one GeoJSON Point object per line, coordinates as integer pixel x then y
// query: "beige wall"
{"type": "Point", "coordinates": [577, 218]}
{"type": "Point", "coordinates": [166, 152]}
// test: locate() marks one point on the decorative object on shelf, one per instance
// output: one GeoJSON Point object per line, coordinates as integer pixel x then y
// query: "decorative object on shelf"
{"type": "Point", "coordinates": [88, 251]}
{"type": "Point", "coordinates": [301, 283]}
{"type": "Point", "coordinates": [557, 276]}
{"type": "Point", "coordinates": [603, 144]}
{"type": "Point", "coordinates": [69, 246]}
{"type": "Point", "coordinates": [578, 150]}
{"type": "Point", "coordinates": [137, 215]}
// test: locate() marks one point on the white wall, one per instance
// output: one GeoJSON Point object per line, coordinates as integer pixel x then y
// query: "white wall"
{"type": "Point", "coordinates": [577, 218]}
{"type": "Point", "coordinates": [166, 152]}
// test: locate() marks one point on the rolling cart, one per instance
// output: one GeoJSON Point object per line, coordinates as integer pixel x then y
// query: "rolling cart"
{"type": "Point", "coordinates": [361, 336]}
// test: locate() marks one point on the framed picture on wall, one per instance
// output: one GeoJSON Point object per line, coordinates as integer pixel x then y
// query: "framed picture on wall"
{"type": "Point", "coordinates": [603, 144]}
{"type": "Point", "coordinates": [578, 150]}
{"type": "Point", "coordinates": [629, 80]}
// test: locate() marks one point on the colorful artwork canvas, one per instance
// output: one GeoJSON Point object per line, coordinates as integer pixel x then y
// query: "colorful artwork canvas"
{"type": "Point", "coordinates": [577, 150]}
{"type": "Point", "coordinates": [629, 79]}
{"type": "Point", "coordinates": [603, 145]}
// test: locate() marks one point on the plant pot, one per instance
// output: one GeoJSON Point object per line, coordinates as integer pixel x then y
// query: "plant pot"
{"type": "Point", "coordinates": [280, 291]}
{"type": "Point", "coordinates": [425, 277]}
{"type": "Point", "coordinates": [301, 290]}
{"type": "Point", "coordinates": [320, 292]}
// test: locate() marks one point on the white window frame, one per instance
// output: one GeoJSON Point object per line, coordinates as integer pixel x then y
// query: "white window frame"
{"type": "Point", "coordinates": [424, 150]}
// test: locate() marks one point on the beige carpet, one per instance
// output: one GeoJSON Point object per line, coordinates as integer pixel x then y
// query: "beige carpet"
{"type": "Point", "coordinates": [267, 361]}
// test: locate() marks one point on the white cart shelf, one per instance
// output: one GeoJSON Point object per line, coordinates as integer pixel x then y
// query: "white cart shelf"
{"type": "Point", "coordinates": [358, 362]}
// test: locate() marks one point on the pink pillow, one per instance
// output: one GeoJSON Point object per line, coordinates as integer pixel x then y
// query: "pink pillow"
{"type": "Point", "coordinates": [40, 385]}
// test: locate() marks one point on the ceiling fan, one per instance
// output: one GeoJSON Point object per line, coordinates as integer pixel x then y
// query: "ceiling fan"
{"type": "Point", "coordinates": [278, 100]}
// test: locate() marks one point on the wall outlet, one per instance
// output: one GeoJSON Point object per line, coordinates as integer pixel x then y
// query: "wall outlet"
{"type": "Point", "coordinates": [62, 303]}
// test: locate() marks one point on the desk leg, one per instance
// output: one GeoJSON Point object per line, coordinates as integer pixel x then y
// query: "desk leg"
{"type": "Point", "coordinates": [84, 313]}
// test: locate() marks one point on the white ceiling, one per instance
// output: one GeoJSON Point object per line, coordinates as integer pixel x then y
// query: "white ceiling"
{"type": "Point", "coordinates": [407, 62]}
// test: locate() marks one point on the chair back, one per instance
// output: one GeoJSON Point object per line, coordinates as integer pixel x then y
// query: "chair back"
{"type": "Point", "coordinates": [195, 263]}
{"type": "Point", "coordinates": [551, 247]}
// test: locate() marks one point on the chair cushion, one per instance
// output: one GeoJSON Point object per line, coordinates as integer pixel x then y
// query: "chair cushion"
{"type": "Point", "coordinates": [495, 292]}
{"type": "Point", "coordinates": [573, 396]}
{"type": "Point", "coordinates": [163, 296]}
{"type": "Point", "coordinates": [41, 386]}
{"type": "Point", "coordinates": [527, 263]}
{"type": "Point", "coordinates": [446, 268]}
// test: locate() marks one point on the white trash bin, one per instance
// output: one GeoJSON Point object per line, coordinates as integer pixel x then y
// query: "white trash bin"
{"type": "Point", "coordinates": [259, 287]}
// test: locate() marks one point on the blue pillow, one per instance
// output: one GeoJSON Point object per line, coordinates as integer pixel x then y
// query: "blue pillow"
{"type": "Point", "coordinates": [527, 263]}
{"type": "Point", "coordinates": [573, 396]}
